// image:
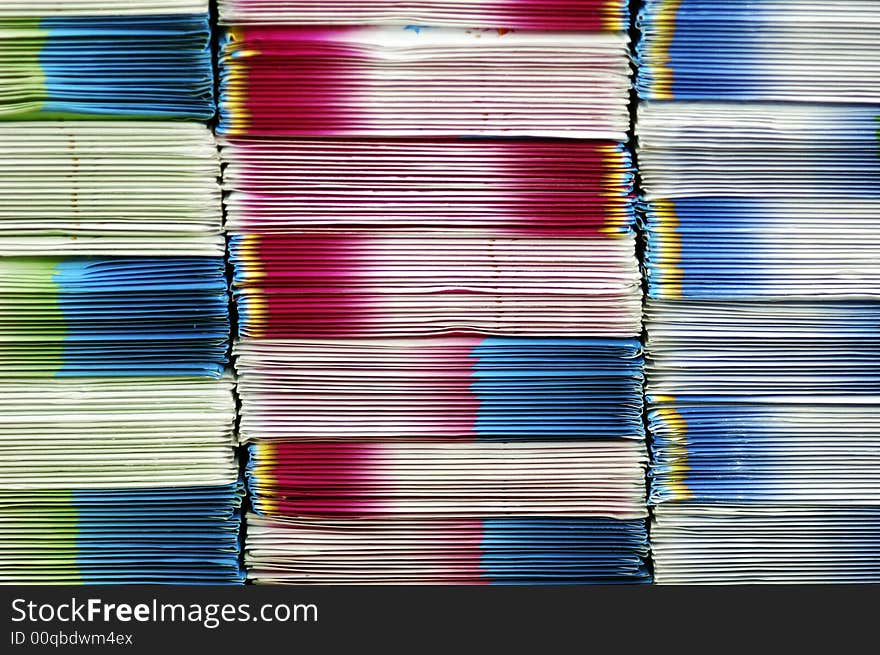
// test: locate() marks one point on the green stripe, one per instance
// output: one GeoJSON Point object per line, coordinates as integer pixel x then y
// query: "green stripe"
{"type": "Point", "coordinates": [22, 80]}
{"type": "Point", "coordinates": [32, 323]}
{"type": "Point", "coordinates": [44, 532]}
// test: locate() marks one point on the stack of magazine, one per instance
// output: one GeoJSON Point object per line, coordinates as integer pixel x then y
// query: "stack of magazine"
{"type": "Point", "coordinates": [118, 418]}
{"type": "Point", "coordinates": [761, 179]}
{"type": "Point", "coordinates": [438, 291]}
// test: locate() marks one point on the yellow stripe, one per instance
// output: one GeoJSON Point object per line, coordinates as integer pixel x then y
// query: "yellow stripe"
{"type": "Point", "coordinates": [677, 438]}
{"type": "Point", "coordinates": [257, 303]}
{"type": "Point", "coordinates": [613, 177]}
{"type": "Point", "coordinates": [237, 86]}
{"type": "Point", "coordinates": [612, 21]}
{"type": "Point", "coordinates": [267, 453]}
{"type": "Point", "coordinates": [658, 50]}
{"type": "Point", "coordinates": [249, 249]}
{"type": "Point", "coordinates": [672, 274]}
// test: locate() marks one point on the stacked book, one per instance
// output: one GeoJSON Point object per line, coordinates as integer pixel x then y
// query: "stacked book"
{"type": "Point", "coordinates": [152, 65]}
{"type": "Point", "coordinates": [762, 213]}
{"type": "Point", "coordinates": [578, 15]}
{"type": "Point", "coordinates": [769, 51]}
{"type": "Point", "coordinates": [118, 480]}
{"type": "Point", "coordinates": [438, 295]}
{"type": "Point", "coordinates": [117, 413]}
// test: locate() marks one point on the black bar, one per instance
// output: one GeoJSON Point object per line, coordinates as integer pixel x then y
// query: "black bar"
{"type": "Point", "coordinates": [414, 620]}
